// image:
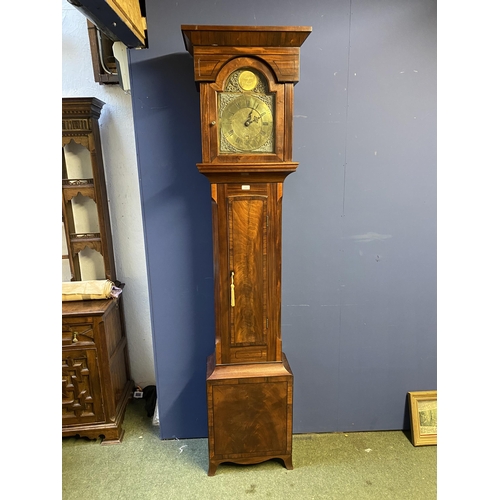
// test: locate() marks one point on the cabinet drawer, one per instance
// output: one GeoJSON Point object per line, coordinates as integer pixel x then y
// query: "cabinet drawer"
{"type": "Point", "coordinates": [78, 332]}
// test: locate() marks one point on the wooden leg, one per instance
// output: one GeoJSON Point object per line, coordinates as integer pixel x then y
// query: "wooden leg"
{"type": "Point", "coordinates": [212, 467]}
{"type": "Point", "coordinates": [288, 462]}
{"type": "Point", "coordinates": [113, 437]}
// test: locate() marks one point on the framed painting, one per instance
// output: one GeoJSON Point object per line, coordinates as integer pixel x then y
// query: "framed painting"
{"type": "Point", "coordinates": [423, 417]}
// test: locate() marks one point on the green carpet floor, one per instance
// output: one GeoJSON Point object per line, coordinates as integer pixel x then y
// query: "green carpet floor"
{"type": "Point", "coordinates": [361, 465]}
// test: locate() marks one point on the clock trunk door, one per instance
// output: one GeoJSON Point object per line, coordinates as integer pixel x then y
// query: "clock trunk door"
{"type": "Point", "coordinates": [248, 271]}
{"type": "Point", "coordinates": [246, 250]}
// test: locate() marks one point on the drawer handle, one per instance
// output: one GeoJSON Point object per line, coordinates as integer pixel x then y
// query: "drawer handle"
{"type": "Point", "coordinates": [75, 334]}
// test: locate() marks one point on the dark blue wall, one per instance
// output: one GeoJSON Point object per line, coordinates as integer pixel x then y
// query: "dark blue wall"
{"type": "Point", "coordinates": [359, 215]}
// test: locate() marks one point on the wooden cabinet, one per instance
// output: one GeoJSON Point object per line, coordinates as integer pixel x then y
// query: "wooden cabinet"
{"type": "Point", "coordinates": [96, 383]}
{"type": "Point", "coordinates": [246, 77]}
{"type": "Point", "coordinates": [85, 211]}
{"type": "Point", "coordinates": [95, 380]}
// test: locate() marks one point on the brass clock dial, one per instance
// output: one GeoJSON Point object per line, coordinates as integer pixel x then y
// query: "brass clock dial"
{"type": "Point", "coordinates": [246, 123]}
{"type": "Point", "coordinates": [246, 109]}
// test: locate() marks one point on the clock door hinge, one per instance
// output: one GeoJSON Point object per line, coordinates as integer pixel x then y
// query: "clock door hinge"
{"type": "Point", "coordinates": [267, 322]}
{"type": "Point", "coordinates": [267, 220]}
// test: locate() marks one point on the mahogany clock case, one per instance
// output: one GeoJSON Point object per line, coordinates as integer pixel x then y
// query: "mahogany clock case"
{"type": "Point", "coordinates": [246, 77]}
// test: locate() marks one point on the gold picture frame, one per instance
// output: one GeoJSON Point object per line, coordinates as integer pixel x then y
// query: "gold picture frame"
{"type": "Point", "coordinates": [423, 417]}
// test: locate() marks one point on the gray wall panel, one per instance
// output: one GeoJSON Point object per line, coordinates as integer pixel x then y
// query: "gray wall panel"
{"type": "Point", "coordinates": [359, 215]}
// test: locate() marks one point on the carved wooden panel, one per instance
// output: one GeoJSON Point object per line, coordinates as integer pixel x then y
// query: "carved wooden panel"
{"type": "Point", "coordinates": [81, 395]}
{"type": "Point", "coordinates": [73, 187]}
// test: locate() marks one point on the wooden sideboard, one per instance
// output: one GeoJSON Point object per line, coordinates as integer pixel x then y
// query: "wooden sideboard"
{"type": "Point", "coordinates": [95, 380]}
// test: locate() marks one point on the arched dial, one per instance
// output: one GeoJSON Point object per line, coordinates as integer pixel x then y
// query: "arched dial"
{"type": "Point", "coordinates": [246, 122]}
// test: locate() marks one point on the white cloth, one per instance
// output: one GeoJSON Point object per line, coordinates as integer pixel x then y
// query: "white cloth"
{"type": "Point", "coordinates": [89, 290]}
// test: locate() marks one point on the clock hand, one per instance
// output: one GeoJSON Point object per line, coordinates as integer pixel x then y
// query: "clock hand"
{"type": "Point", "coordinates": [249, 119]}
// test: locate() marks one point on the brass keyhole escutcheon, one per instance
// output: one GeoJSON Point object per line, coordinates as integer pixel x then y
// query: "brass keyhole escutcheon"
{"type": "Point", "coordinates": [75, 336]}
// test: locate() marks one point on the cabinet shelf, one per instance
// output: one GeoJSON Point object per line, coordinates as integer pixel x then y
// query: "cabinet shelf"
{"type": "Point", "coordinates": [71, 188]}
{"type": "Point", "coordinates": [79, 241]}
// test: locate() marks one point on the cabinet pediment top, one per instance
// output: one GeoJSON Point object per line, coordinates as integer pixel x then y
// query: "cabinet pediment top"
{"type": "Point", "coordinates": [244, 36]}
{"type": "Point", "coordinates": [77, 107]}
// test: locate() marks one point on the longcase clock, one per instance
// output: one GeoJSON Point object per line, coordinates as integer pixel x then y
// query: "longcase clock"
{"type": "Point", "coordinates": [246, 77]}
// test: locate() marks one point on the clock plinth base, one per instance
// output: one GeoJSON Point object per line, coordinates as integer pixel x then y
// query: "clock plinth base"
{"type": "Point", "coordinates": [249, 413]}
